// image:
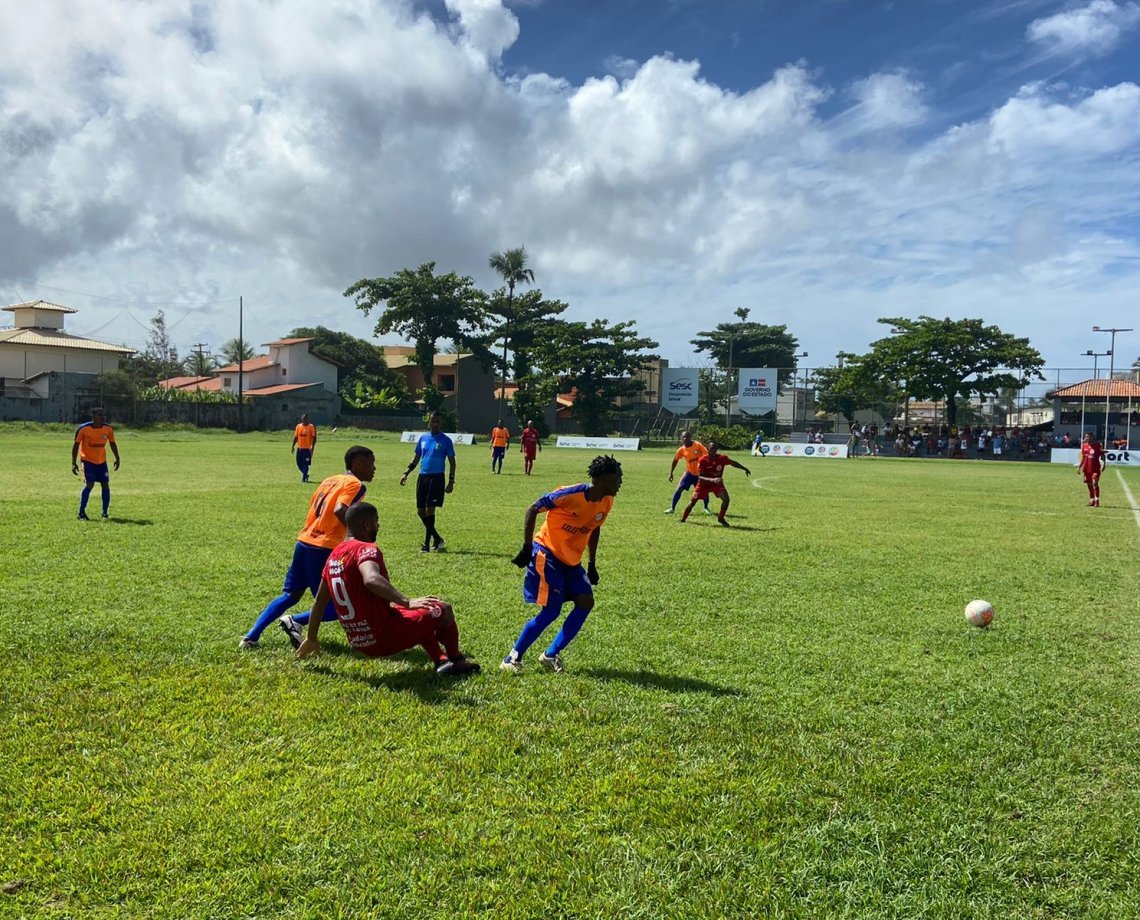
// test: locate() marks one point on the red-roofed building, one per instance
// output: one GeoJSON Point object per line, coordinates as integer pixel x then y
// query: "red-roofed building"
{"type": "Point", "coordinates": [1110, 409]}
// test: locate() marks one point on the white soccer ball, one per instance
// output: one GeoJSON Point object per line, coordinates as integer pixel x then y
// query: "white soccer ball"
{"type": "Point", "coordinates": [979, 613]}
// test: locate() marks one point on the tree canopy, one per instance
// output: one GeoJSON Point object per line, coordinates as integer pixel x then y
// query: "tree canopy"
{"type": "Point", "coordinates": [751, 344]}
{"type": "Point", "coordinates": [158, 359]}
{"type": "Point", "coordinates": [949, 360]}
{"type": "Point", "coordinates": [424, 308]}
{"type": "Point", "coordinates": [597, 361]}
{"type": "Point", "coordinates": [362, 373]}
{"type": "Point", "coordinates": [234, 351]}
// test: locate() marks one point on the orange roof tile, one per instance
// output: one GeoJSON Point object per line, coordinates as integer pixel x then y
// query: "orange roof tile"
{"type": "Point", "coordinates": [190, 383]}
{"type": "Point", "coordinates": [288, 341]}
{"type": "Point", "coordinates": [1097, 389]}
{"type": "Point", "coordinates": [279, 388]}
{"type": "Point", "coordinates": [252, 364]}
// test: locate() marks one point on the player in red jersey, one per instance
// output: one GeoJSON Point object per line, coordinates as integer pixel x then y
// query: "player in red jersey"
{"type": "Point", "coordinates": [1091, 466]}
{"type": "Point", "coordinates": [377, 617]}
{"type": "Point", "coordinates": [531, 442]}
{"type": "Point", "coordinates": [711, 482]}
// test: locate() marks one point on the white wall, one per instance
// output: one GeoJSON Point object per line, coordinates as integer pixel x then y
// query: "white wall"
{"type": "Point", "coordinates": [22, 361]}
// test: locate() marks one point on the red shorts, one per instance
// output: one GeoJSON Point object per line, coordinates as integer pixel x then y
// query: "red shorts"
{"type": "Point", "coordinates": [529, 454]}
{"type": "Point", "coordinates": [403, 629]}
{"type": "Point", "coordinates": [704, 489]}
{"type": "Point", "coordinates": [1094, 476]}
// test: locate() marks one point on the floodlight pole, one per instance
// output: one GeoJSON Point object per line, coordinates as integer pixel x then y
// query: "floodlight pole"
{"type": "Point", "coordinates": [241, 361]}
{"type": "Point", "coordinates": [1111, 368]}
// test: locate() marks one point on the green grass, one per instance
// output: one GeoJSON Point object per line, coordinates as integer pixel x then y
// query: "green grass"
{"type": "Point", "coordinates": [789, 718]}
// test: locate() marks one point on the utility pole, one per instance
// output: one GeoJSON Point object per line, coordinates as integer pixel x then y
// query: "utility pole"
{"type": "Point", "coordinates": [241, 362]}
{"type": "Point", "coordinates": [1111, 369]}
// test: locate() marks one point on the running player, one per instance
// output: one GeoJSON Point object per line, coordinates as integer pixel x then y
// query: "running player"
{"type": "Point", "coordinates": [323, 530]}
{"type": "Point", "coordinates": [378, 618]}
{"type": "Point", "coordinates": [1091, 465]}
{"type": "Point", "coordinates": [304, 442]}
{"type": "Point", "coordinates": [531, 442]}
{"type": "Point", "coordinates": [90, 445]}
{"type": "Point", "coordinates": [691, 452]}
{"type": "Point", "coordinates": [500, 438]}
{"type": "Point", "coordinates": [711, 473]}
{"type": "Point", "coordinates": [431, 451]}
{"type": "Point", "coordinates": [553, 559]}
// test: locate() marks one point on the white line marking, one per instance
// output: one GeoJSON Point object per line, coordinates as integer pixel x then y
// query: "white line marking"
{"type": "Point", "coordinates": [1128, 495]}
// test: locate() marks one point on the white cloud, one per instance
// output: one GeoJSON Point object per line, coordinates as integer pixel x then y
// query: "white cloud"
{"type": "Point", "coordinates": [1093, 29]}
{"type": "Point", "coordinates": [194, 152]}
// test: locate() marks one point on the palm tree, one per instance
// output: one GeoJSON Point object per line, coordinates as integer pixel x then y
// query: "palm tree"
{"type": "Point", "coordinates": [511, 265]}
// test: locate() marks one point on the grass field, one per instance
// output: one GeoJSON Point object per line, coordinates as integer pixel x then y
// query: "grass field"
{"type": "Point", "coordinates": [788, 718]}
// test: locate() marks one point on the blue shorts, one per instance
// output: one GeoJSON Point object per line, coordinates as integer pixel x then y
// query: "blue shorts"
{"type": "Point", "coordinates": [95, 472]}
{"type": "Point", "coordinates": [306, 568]}
{"type": "Point", "coordinates": [498, 452]}
{"type": "Point", "coordinates": [688, 481]}
{"type": "Point", "coordinates": [548, 581]}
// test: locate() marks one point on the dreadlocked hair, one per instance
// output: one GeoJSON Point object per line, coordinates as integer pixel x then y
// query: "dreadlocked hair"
{"type": "Point", "coordinates": [603, 466]}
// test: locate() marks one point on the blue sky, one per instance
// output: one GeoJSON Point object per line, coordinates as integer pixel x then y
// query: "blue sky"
{"type": "Point", "coordinates": [823, 162]}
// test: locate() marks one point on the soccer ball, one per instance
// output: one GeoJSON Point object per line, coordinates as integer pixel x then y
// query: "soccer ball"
{"type": "Point", "coordinates": [979, 613]}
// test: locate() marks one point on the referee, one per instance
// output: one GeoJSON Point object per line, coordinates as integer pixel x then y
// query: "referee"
{"type": "Point", "coordinates": [431, 451]}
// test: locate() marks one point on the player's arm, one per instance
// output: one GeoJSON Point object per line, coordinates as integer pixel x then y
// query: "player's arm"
{"type": "Point", "coordinates": [592, 547]}
{"type": "Point", "coordinates": [451, 478]}
{"type": "Point", "coordinates": [412, 465]}
{"type": "Point", "coordinates": [74, 457]}
{"type": "Point", "coordinates": [673, 468]}
{"type": "Point", "coordinates": [313, 446]}
{"type": "Point", "coordinates": [522, 558]}
{"type": "Point", "coordinates": [375, 582]}
{"type": "Point", "coordinates": [115, 451]}
{"type": "Point", "coordinates": [293, 446]}
{"type": "Point", "coordinates": [340, 509]}
{"type": "Point", "coordinates": [310, 646]}
{"type": "Point", "coordinates": [739, 466]}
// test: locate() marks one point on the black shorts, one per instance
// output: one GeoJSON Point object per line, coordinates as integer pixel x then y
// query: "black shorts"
{"type": "Point", "coordinates": [429, 490]}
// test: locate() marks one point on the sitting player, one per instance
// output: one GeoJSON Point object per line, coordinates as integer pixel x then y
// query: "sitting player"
{"type": "Point", "coordinates": [711, 482]}
{"type": "Point", "coordinates": [378, 619]}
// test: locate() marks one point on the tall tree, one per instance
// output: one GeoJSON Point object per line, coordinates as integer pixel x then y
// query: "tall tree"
{"type": "Point", "coordinates": [158, 359]}
{"type": "Point", "coordinates": [747, 344]}
{"type": "Point", "coordinates": [511, 265]}
{"type": "Point", "coordinates": [357, 361]}
{"type": "Point", "coordinates": [424, 308]}
{"type": "Point", "coordinates": [597, 363]}
{"type": "Point", "coordinates": [234, 351]}
{"type": "Point", "coordinates": [847, 389]}
{"type": "Point", "coordinates": [951, 360]}
{"type": "Point", "coordinates": [532, 318]}
{"type": "Point", "coordinates": [199, 362]}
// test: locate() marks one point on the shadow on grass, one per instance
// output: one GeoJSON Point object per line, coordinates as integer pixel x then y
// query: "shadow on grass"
{"type": "Point", "coordinates": [422, 682]}
{"type": "Point", "coordinates": [478, 552]}
{"type": "Point", "coordinates": [662, 681]}
{"type": "Point", "coordinates": [138, 522]}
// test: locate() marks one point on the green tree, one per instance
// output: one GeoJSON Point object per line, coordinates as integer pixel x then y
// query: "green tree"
{"type": "Point", "coordinates": [596, 362]}
{"type": "Point", "coordinates": [532, 318]}
{"type": "Point", "coordinates": [234, 351]}
{"type": "Point", "coordinates": [158, 359]}
{"type": "Point", "coordinates": [361, 371]}
{"type": "Point", "coordinates": [424, 308]}
{"type": "Point", "coordinates": [746, 344]}
{"type": "Point", "coordinates": [846, 389]}
{"type": "Point", "coordinates": [199, 363]}
{"type": "Point", "coordinates": [511, 266]}
{"type": "Point", "coordinates": [951, 360]}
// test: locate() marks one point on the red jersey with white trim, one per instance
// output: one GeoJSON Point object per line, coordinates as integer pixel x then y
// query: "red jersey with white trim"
{"type": "Point", "coordinates": [711, 468]}
{"type": "Point", "coordinates": [570, 519]}
{"type": "Point", "coordinates": [1092, 457]}
{"type": "Point", "coordinates": [361, 613]}
{"type": "Point", "coordinates": [529, 438]}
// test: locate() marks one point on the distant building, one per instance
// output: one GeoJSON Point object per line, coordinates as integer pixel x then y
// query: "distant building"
{"type": "Point", "coordinates": [44, 371]}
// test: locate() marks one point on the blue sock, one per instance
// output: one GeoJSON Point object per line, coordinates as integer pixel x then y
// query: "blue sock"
{"type": "Point", "coordinates": [302, 619]}
{"type": "Point", "coordinates": [534, 628]}
{"type": "Point", "coordinates": [106, 500]}
{"type": "Point", "coordinates": [568, 631]}
{"type": "Point", "coordinates": [84, 495]}
{"type": "Point", "coordinates": [276, 609]}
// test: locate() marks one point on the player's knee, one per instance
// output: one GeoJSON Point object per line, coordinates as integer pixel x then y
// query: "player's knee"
{"type": "Point", "coordinates": [584, 602]}
{"type": "Point", "coordinates": [447, 614]}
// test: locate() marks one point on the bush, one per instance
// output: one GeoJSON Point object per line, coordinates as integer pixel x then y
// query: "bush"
{"type": "Point", "coordinates": [735, 438]}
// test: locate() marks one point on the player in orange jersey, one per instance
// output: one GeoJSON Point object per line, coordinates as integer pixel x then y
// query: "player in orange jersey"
{"type": "Point", "coordinates": [553, 559]}
{"type": "Point", "coordinates": [691, 452]}
{"type": "Point", "coordinates": [304, 443]}
{"type": "Point", "coordinates": [711, 476]}
{"type": "Point", "coordinates": [324, 529]}
{"type": "Point", "coordinates": [90, 446]}
{"type": "Point", "coordinates": [500, 438]}
{"type": "Point", "coordinates": [1091, 466]}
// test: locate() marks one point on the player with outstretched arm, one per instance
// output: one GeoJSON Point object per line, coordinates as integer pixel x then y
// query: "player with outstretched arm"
{"type": "Point", "coordinates": [710, 474]}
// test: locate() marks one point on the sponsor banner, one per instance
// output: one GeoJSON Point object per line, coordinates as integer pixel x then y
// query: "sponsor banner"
{"type": "Point", "coordinates": [410, 437]}
{"type": "Point", "coordinates": [826, 451]}
{"type": "Point", "coordinates": [756, 394]}
{"type": "Point", "coordinates": [599, 443]}
{"type": "Point", "coordinates": [1072, 456]}
{"type": "Point", "coordinates": [679, 389]}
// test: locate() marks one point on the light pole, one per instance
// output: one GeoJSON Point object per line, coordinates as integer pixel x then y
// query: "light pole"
{"type": "Point", "coordinates": [1111, 368]}
{"type": "Point", "coordinates": [728, 382]}
{"type": "Point", "coordinates": [795, 398]}
{"type": "Point", "coordinates": [1094, 355]}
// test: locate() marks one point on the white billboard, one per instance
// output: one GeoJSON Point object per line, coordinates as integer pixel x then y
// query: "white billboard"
{"type": "Point", "coordinates": [756, 394]}
{"type": "Point", "coordinates": [599, 443]}
{"type": "Point", "coordinates": [819, 451]}
{"type": "Point", "coordinates": [679, 388]}
{"type": "Point", "coordinates": [1072, 456]}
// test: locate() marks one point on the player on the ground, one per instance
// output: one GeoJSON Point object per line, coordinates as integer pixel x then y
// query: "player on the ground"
{"type": "Point", "coordinates": [500, 438]}
{"type": "Point", "coordinates": [691, 452]}
{"type": "Point", "coordinates": [711, 473]}
{"type": "Point", "coordinates": [323, 530]}
{"type": "Point", "coordinates": [304, 443]}
{"type": "Point", "coordinates": [90, 445]}
{"type": "Point", "coordinates": [758, 445]}
{"type": "Point", "coordinates": [432, 449]}
{"type": "Point", "coordinates": [531, 442]}
{"type": "Point", "coordinates": [553, 559]}
{"type": "Point", "coordinates": [378, 618]}
{"type": "Point", "coordinates": [1091, 466]}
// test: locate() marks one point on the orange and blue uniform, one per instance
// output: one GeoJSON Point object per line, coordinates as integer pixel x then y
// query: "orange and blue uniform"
{"type": "Point", "coordinates": [692, 455]}
{"type": "Point", "coordinates": [500, 438]}
{"type": "Point", "coordinates": [305, 439]}
{"type": "Point", "coordinates": [93, 442]}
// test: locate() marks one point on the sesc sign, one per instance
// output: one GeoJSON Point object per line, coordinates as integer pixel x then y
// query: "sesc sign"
{"type": "Point", "coordinates": [679, 389]}
{"type": "Point", "coordinates": [756, 394]}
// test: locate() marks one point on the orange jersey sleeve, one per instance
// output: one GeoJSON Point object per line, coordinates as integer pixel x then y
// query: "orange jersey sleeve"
{"type": "Point", "coordinates": [306, 436]}
{"type": "Point", "coordinates": [322, 527]}
{"type": "Point", "coordinates": [570, 519]}
{"type": "Point", "coordinates": [93, 442]}
{"type": "Point", "coordinates": [691, 455]}
{"type": "Point", "coordinates": [500, 437]}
